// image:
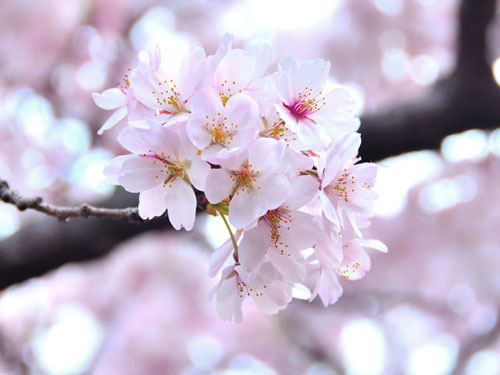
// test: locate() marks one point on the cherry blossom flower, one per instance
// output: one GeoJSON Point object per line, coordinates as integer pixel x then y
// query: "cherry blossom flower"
{"type": "Point", "coordinates": [265, 285]}
{"type": "Point", "coordinates": [346, 187]}
{"type": "Point", "coordinates": [168, 97]}
{"type": "Point", "coordinates": [309, 111]}
{"type": "Point", "coordinates": [218, 129]}
{"type": "Point", "coordinates": [162, 169]}
{"type": "Point", "coordinates": [282, 233]}
{"type": "Point", "coordinates": [253, 180]}
{"type": "Point", "coordinates": [356, 262]}
{"type": "Point", "coordinates": [274, 153]}
{"type": "Point", "coordinates": [241, 71]}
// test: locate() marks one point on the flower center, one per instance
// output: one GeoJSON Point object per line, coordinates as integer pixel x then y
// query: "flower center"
{"type": "Point", "coordinates": [279, 220]}
{"type": "Point", "coordinates": [348, 269]}
{"type": "Point", "coordinates": [277, 130]}
{"type": "Point", "coordinates": [125, 85]}
{"type": "Point", "coordinates": [305, 104]}
{"type": "Point", "coordinates": [171, 170]}
{"type": "Point", "coordinates": [228, 89]}
{"type": "Point", "coordinates": [244, 179]}
{"type": "Point", "coordinates": [170, 98]}
{"type": "Point", "coordinates": [220, 131]}
{"type": "Point", "coordinates": [345, 185]}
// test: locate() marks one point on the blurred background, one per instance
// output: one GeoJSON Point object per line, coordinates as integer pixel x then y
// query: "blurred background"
{"type": "Point", "coordinates": [103, 298]}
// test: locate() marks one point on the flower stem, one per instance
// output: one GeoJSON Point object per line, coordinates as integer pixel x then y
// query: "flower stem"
{"type": "Point", "coordinates": [233, 239]}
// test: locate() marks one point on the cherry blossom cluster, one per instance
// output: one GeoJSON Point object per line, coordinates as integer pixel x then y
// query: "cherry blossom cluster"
{"type": "Point", "coordinates": [274, 154]}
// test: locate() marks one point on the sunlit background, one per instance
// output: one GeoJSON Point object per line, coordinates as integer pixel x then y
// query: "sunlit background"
{"type": "Point", "coordinates": [144, 309]}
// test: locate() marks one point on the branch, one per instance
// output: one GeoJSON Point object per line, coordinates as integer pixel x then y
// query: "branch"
{"type": "Point", "coordinates": [474, 345]}
{"type": "Point", "coordinates": [45, 245]}
{"type": "Point", "coordinates": [467, 99]}
{"type": "Point", "coordinates": [129, 214]}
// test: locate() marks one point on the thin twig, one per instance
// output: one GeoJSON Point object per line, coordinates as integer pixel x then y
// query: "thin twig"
{"type": "Point", "coordinates": [62, 213]}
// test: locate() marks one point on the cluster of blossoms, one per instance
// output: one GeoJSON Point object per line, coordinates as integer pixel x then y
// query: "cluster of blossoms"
{"type": "Point", "coordinates": [273, 154]}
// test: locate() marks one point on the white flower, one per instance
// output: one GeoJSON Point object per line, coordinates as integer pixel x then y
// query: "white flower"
{"type": "Point", "coordinates": [162, 170]}
{"type": "Point", "coordinates": [252, 179]}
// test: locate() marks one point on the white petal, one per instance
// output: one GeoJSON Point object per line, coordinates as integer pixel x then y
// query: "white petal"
{"type": "Point", "coordinates": [146, 141]}
{"type": "Point", "coordinates": [242, 111]}
{"type": "Point", "coordinates": [218, 185]}
{"type": "Point", "coordinates": [313, 74]}
{"type": "Point", "coordinates": [152, 202]}
{"type": "Point", "coordinates": [181, 205]}
{"type": "Point", "coordinates": [374, 244]}
{"type": "Point", "coordinates": [140, 174]}
{"type": "Point", "coordinates": [292, 266]}
{"type": "Point", "coordinates": [287, 78]}
{"type": "Point", "coordinates": [265, 155]}
{"type": "Point", "coordinates": [304, 189]}
{"type": "Point", "coordinates": [332, 168]}
{"type": "Point", "coordinates": [114, 119]}
{"type": "Point", "coordinates": [275, 190]}
{"type": "Point", "coordinates": [330, 289]}
{"type": "Point", "coordinates": [304, 231]}
{"type": "Point", "coordinates": [112, 170]}
{"type": "Point", "coordinates": [254, 246]}
{"type": "Point", "coordinates": [285, 115]}
{"type": "Point", "coordinates": [300, 291]}
{"type": "Point", "coordinates": [198, 172]}
{"type": "Point", "coordinates": [244, 209]}
{"type": "Point", "coordinates": [311, 135]}
{"type": "Point", "coordinates": [144, 85]}
{"type": "Point", "coordinates": [328, 208]}
{"type": "Point", "coordinates": [110, 99]}
{"type": "Point", "coordinates": [236, 67]}
{"type": "Point", "coordinates": [228, 300]}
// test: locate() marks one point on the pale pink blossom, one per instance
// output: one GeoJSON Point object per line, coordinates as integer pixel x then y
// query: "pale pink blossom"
{"type": "Point", "coordinates": [281, 234]}
{"type": "Point", "coordinates": [275, 152]}
{"type": "Point", "coordinates": [356, 261]}
{"type": "Point", "coordinates": [346, 187]}
{"type": "Point", "coordinates": [265, 285]}
{"type": "Point", "coordinates": [218, 129]}
{"type": "Point", "coordinates": [310, 112]}
{"type": "Point", "coordinates": [168, 95]}
{"type": "Point", "coordinates": [162, 169]}
{"type": "Point", "coordinates": [242, 71]}
{"type": "Point", "coordinates": [253, 181]}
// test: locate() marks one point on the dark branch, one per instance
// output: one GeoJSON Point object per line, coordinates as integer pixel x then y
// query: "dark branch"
{"type": "Point", "coordinates": [45, 245]}
{"type": "Point", "coordinates": [467, 99]}
{"type": "Point", "coordinates": [7, 195]}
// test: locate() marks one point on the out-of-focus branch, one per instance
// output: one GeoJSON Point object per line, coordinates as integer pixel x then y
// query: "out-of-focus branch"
{"type": "Point", "coordinates": [11, 359]}
{"type": "Point", "coordinates": [467, 99]}
{"type": "Point", "coordinates": [7, 195]}
{"type": "Point", "coordinates": [474, 345]}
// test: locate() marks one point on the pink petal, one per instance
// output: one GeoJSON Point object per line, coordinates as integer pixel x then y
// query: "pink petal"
{"type": "Point", "coordinates": [218, 185]}
{"type": "Point", "coordinates": [265, 155]}
{"type": "Point", "coordinates": [152, 202]}
{"type": "Point", "coordinates": [110, 99]}
{"type": "Point", "coordinates": [114, 119]}
{"type": "Point", "coordinates": [181, 205]}
{"type": "Point", "coordinates": [254, 246]}
{"type": "Point", "coordinates": [140, 174]}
